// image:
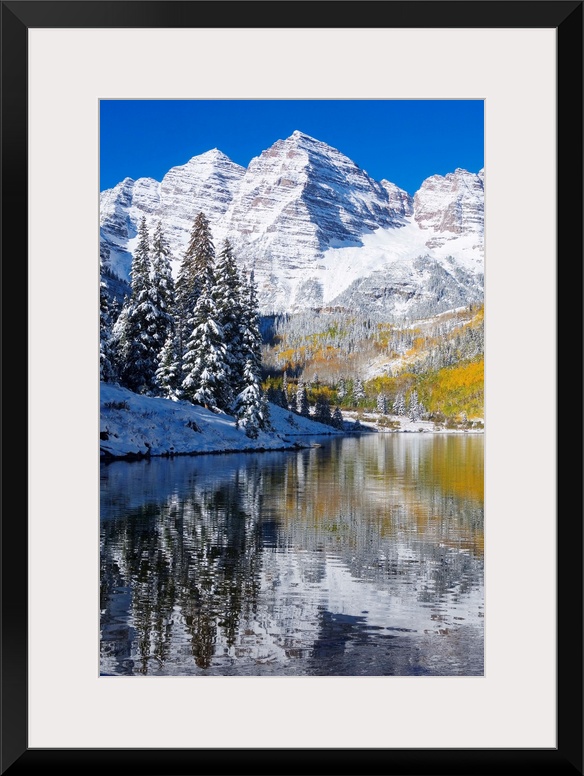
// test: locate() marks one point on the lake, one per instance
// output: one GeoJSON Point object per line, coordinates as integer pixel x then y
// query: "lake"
{"type": "Point", "coordinates": [360, 556]}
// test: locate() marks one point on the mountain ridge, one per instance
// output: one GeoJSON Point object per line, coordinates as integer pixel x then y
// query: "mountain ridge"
{"type": "Point", "coordinates": [311, 223]}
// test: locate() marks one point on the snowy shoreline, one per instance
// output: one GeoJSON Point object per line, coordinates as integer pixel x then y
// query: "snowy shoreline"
{"type": "Point", "coordinates": [134, 427]}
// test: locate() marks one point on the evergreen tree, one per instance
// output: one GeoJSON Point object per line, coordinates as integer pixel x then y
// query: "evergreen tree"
{"type": "Point", "coordinates": [250, 328]}
{"type": "Point", "coordinates": [205, 369]}
{"type": "Point", "coordinates": [337, 419]}
{"type": "Point", "coordinates": [196, 270]}
{"type": "Point", "coordinates": [169, 369]}
{"type": "Point", "coordinates": [302, 406]}
{"type": "Point", "coordinates": [358, 391]}
{"type": "Point", "coordinates": [107, 371]}
{"type": "Point", "coordinates": [285, 403]}
{"type": "Point", "coordinates": [119, 343]}
{"type": "Point", "coordinates": [161, 291]}
{"type": "Point", "coordinates": [115, 308]}
{"type": "Point", "coordinates": [227, 293]}
{"type": "Point", "coordinates": [249, 412]}
{"type": "Point", "coordinates": [413, 409]}
{"type": "Point", "coordinates": [399, 405]}
{"type": "Point", "coordinates": [322, 410]}
{"type": "Point", "coordinates": [265, 418]}
{"type": "Point", "coordinates": [382, 404]}
{"type": "Point", "coordinates": [273, 394]}
{"type": "Point", "coordinates": [341, 389]}
{"type": "Point", "coordinates": [137, 346]}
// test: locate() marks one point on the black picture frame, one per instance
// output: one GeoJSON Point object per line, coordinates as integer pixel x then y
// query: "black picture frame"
{"type": "Point", "coordinates": [17, 17]}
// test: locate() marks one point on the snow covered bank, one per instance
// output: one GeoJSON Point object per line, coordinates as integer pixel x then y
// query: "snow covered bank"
{"type": "Point", "coordinates": [135, 426]}
{"type": "Point", "coordinates": [372, 421]}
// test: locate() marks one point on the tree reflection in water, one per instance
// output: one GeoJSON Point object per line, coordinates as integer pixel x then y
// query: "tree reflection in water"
{"type": "Point", "coordinates": [364, 555]}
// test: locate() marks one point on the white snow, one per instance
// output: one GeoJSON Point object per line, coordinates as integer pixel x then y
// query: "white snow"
{"type": "Point", "coordinates": [154, 426]}
{"type": "Point", "coordinates": [341, 266]}
{"type": "Point", "coordinates": [138, 426]}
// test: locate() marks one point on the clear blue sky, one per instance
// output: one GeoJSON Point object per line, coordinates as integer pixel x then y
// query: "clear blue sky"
{"type": "Point", "coordinates": [403, 141]}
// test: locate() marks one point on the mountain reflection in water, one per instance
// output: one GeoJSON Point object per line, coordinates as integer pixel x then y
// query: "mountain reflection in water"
{"type": "Point", "coordinates": [360, 557]}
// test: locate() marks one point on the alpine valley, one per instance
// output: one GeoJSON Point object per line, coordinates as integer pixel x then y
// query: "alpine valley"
{"type": "Point", "coordinates": [369, 298]}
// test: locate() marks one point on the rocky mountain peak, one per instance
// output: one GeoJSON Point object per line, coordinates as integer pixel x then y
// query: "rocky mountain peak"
{"type": "Point", "coordinates": [212, 158]}
{"type": "Point", "coordinates": [452, 203]}
{"type": "Point", "coordinates": [401, 204]}
{"type": "Point", "coordinates": [312, 223]}
{"type": "Point", "coordinates": [298, 198]}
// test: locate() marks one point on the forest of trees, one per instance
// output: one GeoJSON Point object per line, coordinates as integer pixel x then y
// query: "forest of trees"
{"type": "Point", "coordinates": [196, 339]}
{"type": "Point", "coordinates": [425, 369]}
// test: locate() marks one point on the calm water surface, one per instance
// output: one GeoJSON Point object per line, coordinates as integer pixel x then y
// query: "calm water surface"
{"type": "Point", "coordinates": [363, 556]}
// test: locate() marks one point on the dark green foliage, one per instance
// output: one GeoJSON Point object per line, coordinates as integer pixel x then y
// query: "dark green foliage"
{"type": "Point", "coordinates": [337, 419]}
{"type": "Point", "coordinates": [322, 411]}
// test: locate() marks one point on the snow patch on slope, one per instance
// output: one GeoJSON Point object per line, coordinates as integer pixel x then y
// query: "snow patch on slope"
{"type": "Point", "coordinates": [343, 265]}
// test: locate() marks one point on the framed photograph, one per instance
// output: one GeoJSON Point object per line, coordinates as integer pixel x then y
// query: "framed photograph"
{"type": "Point", "coordinates": [333, 603]}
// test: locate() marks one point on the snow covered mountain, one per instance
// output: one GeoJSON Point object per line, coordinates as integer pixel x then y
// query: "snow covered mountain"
{"type": "Point", "coordinates": [451, 205]}
{"type": "Point", "coordinates": [316, 228]}
{"type": "Point", "coordinates": [206, 182]}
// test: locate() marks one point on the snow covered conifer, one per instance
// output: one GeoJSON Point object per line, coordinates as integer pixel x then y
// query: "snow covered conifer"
{"type": "Point", "coordinates": [358, 390]}
{"type": "Point", "coordinates": [413, 409]}
{"type": "Point", "coordinates": [137, 345]}
{"type": "Point", "coordinates": [118, 337]}
{"type": "Point", "coordinates": [227, 293]}
{"type": "Point", "coordinates": [382, 404]}
{"type": "Point", "coordinates": [341, 389]}
{"type": "Point", "coordinates": [107, 371]}
{"type": "Point", "coordinates": [205, 369]}
{"type": "Point", "coordinates": [248, 402]}
{"type": "Point", "coordinates": [284, 401]}
{"type": "Point", "coordinates": [399, 405]}
{"type": "Point", "coordinates": [250, 329]}
{"type": "Point", "coordinates": [302, 406]}
{"type": "Point", "coordinates": [249, 409]}
{"type": "Point", "coordinates": [140, 270]}
{"type": "Point", "coordinates": [169, 369]}
{"type": "Point", "coordinates": [161, 291]}
{"type": "Point", "coordinates": [195, 271]}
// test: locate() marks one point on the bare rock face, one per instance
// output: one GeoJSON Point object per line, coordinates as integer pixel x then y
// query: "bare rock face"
{"type": "Point", "coordinates": [114, 205]}
{"type": "Point", "coordinates": [401, 204]}
{"type": "Point", "coordinates": [299, 197]}
{"type": "Point", "coordinates": [419, 288]}
{"type": "Point", "coordinates": [452, 204]}
{"type": "Point", "coordinates": [205, 183]}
